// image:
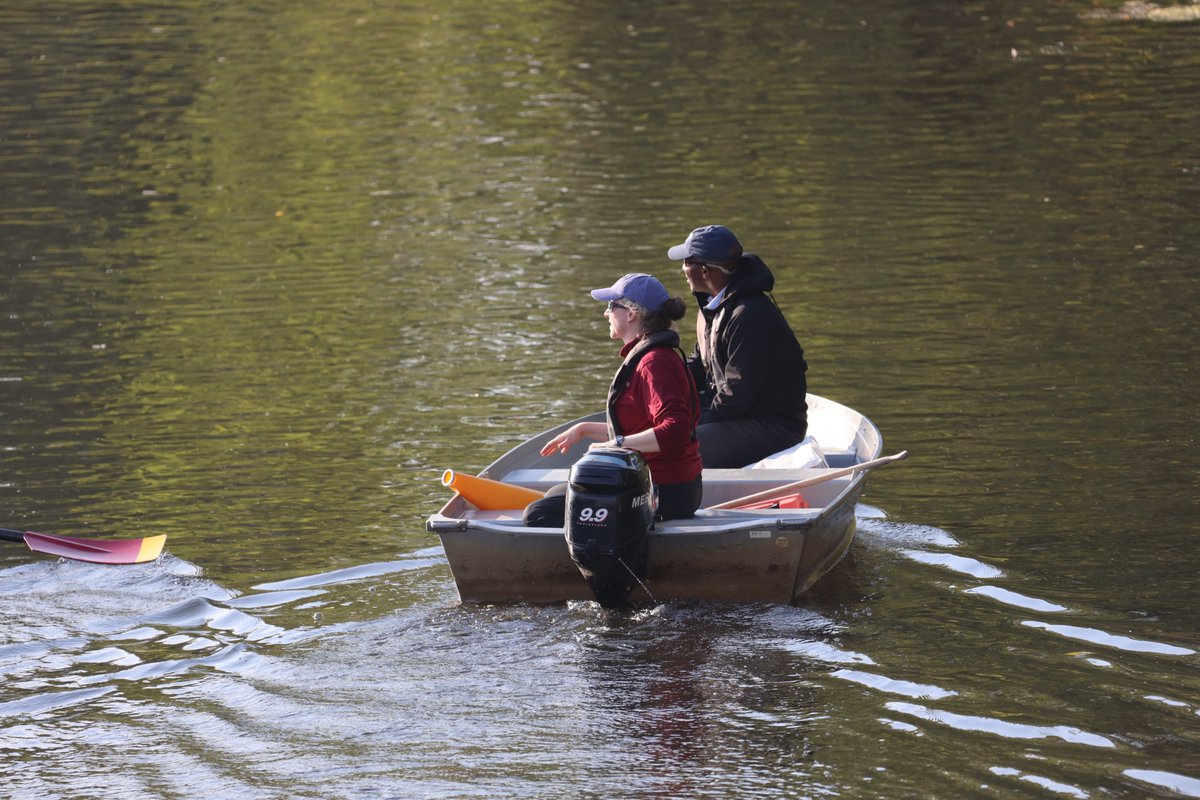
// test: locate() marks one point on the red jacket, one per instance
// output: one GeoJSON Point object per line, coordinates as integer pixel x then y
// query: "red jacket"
{"type": "Point", "coordinates": [660, 396]}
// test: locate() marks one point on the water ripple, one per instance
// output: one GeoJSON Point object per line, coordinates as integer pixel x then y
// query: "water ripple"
{"type": "Point", "coordinates": [233, 658]}
{"type": "Point", "coordinates": [140, 634]}
{"type": "Point", "coordinates": [967, 566]}
{"type": "Point", "coordinates": [1010, 730]}
{"type": "Point", "coordinates": [195, 612]}
{"type": "Point", "coordinates": [1093, 636]}
{"type": "Point", "coordinates": [1045, 783]}
{"type": "Point", "coordinates": [51, 701]}
{"type": "Point", "coordinates": [873, 529]}
{"type": "Point", "coordinates": [1014, 599]}
{"type": "Point", "coordinates": [108, 655]}
{"type": "Point", "coordinates": [357, 572]}
{"type": "Point", "coordinates": [824, 651]}
{"type": "Point", "coordinates": [917, 691]}
{"type": "Point", "coordinates": [1181, 784]}
{"type": "Point", "coordinates": [270, 599]}
{"type": "Point", "coordinates": [1167, 701]}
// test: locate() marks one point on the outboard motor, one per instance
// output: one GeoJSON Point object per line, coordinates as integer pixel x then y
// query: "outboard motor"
{"type": "Point", "coordinates": [610, 511]}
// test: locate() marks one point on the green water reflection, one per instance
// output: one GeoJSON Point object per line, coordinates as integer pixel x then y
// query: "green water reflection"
{"type": "Point", "coordinates": [268, 269]}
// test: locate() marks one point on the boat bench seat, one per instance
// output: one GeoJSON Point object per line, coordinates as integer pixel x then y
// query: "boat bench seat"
{"type": "Point", "coordinates": [540, 479]}
{"type": "Point", "coordinates": [506, 517]}
{"type": "Point", "coordinates": [836, 459]}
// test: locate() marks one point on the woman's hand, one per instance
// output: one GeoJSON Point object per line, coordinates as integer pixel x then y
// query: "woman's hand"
{"type": "Point", "coordinates": [571, 436]}
{"type": "Point", "coordinates": [561, 443]}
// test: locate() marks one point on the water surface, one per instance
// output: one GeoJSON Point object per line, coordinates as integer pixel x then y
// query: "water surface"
{"type": "Point", "coordinates": [269, 269]}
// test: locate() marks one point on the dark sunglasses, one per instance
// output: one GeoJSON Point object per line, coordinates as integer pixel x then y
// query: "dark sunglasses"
{"type": "Point", "coordinates": [614, 304]}
{"type": "Point", "coordinates": [689, 264]}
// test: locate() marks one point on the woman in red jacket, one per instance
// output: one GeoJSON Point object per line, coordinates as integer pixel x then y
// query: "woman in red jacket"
{"type": "Point", "coordinates": [652, 403]}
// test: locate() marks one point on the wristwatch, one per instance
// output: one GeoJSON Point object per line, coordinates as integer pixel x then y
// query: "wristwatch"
{"type": "Point", "coordinates": [620, 440]}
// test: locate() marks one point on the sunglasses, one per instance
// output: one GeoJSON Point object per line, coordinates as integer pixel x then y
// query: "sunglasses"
{"type": "Point", "coordinates": [689, 264]}
{"type": "Point", "coordinates": [614, 304]}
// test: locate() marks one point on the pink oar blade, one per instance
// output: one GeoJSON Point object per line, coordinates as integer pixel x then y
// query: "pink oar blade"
{"type": "Point", "coordinates": [96, 551]}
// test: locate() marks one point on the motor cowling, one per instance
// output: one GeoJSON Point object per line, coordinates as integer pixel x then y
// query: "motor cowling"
{"type": "Point", "coordinates": [610, 512]}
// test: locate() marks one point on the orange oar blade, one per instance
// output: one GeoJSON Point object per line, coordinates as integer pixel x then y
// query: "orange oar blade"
{"type": "Point", "coordinates": [96, 551]}
{"type": "Point", "coordinates": [489, 495]}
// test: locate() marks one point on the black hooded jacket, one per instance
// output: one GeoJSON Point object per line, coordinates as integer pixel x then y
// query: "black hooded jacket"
{"type": "Point", "coordinates": [747, 356]}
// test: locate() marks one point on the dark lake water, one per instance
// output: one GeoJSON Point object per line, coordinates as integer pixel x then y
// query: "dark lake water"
{"type": "Point", "coordinates": [268, 269]}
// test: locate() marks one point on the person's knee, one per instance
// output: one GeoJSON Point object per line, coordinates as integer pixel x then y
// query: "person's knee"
{"type": "Point", "coordinates": [548, 511]}
{"type": "Point", "coordinates": [731, 445]}
{"type": "Point", "coordinates": [720, 446]}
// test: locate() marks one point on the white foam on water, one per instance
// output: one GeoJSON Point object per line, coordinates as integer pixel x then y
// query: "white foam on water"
{"type": "Point", "coordinates": [823, 651]}
{"type": "Point", "coordinates": [875, 530]}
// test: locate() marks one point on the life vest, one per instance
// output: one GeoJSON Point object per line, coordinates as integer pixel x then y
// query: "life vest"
{"type": "Point", "coordinates": [668, 338]}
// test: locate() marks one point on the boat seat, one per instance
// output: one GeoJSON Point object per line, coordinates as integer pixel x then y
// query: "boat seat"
{"type": "Point", "coordinates": [511, 516]}
{"type": "Point", "coordinates": [737, 475]}
{"type": "Point", "coordinates": [836, 459]}
{"type": "Point", "coordinates": [540, 479]}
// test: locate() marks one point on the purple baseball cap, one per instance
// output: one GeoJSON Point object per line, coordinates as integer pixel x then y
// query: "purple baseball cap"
{"type": "Point", "coordinates": [713, 244]}
{"type": "Point", "coordinates": [645, 290]}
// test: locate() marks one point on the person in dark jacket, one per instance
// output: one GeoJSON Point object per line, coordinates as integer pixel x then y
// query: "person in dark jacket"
{"type": "Point", "coordinates": [748, 365]}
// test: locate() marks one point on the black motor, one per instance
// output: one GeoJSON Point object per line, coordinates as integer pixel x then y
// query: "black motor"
{"type": "Point", "coordinates": [610, 511]}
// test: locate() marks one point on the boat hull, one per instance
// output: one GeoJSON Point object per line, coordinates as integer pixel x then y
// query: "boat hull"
{"type": "Point", "coordinates": [739, 556]}
{"type": "Point", "coordinates": [763, 563]}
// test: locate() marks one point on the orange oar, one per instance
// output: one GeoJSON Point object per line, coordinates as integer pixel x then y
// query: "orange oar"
{"type": "Point", "coordinates": [96, 551]}
{"type": "Point", "coordinates": [487, 494]}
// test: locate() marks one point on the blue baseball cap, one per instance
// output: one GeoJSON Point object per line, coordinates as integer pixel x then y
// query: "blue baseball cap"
{"type": "Point", "coordinates": [645, 290]}
{"type": "Point", "coordinates": [713, 244]}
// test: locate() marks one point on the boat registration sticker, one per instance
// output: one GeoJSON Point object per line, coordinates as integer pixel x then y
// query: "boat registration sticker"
{"type": "Point", "coordinates": [760, 534]}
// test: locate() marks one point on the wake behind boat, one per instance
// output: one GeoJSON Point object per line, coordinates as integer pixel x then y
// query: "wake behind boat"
{"type": "Point", "coordinates": [765, 549]}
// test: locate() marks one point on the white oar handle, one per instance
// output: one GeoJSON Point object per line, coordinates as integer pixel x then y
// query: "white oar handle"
{"type": "Point", "coordinates": [779, 491]}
